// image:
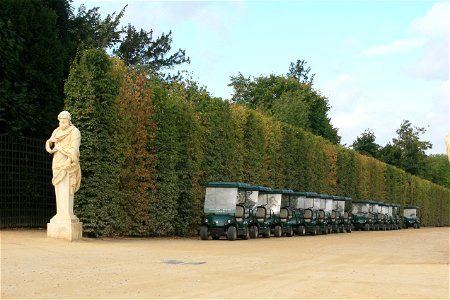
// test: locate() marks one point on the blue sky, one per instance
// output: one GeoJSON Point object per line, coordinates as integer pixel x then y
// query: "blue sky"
{"type": "Point", "coordinates": [378, 62]}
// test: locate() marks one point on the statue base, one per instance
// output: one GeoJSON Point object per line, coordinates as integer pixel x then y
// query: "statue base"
{"type": "Point", "coordinates": [66, 227]}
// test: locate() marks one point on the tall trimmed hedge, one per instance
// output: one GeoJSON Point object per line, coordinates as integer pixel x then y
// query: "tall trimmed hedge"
{"type": "Point", "coordinates": [91, 92]}
{"type": "Point", "coordinates": [149, 148]}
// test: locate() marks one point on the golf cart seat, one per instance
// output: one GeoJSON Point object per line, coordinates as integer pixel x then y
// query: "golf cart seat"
{"type": "Point", "coordinates": [333, 215]}
{"type": "Point", "coordinates": [239, 213]}
{"type": "Point", "coordinates": [308, 214]}
{"type": "Point", "coordinates": [260, 213]}
{"type": "Point", "coordinates": [284, 214]}
{"type": "Point", "coordinates": [321, 214]}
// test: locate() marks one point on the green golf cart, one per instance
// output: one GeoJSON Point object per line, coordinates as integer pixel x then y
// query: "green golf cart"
{"type": "Point", "coordinates": [325, 209]}
{"type": "Point", "coordinates": [396, 215]}
{"type": "Point", "coordinates": [410, 217]}
{"type": "Point", "coordinates": [229, 210]}
{"type": "Point", "coordinates": [340, 217]}
{"type": "Point", "coordinates": [362, 218]}
{"type": "Point", "coordinates": [288, 216]}
{"type": "Point", "coordinates": [268, 212]}
{"type": "Point", "coordinates": [293, 207]}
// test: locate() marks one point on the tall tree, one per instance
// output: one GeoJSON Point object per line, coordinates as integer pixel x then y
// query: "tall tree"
{"type": "Point", "coordinates": [299, 71]}
{"type": "Point", "coordinates": [283, 97]}
{"type": "Point", "coordinates": [365, 144]}
{"type": "Point", "coordinates": [89, 30]}
{"type": "Point", "coordinates": [33, 59]}
{"type": "Point", "coordinates": [407, 151]}
{"type": "Point", "coordinates": [140, 48]}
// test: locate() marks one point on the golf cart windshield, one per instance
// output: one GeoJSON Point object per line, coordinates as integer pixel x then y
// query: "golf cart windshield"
{"type": "Point", "coordinates": [376, 208]}
{"type": "Point", "coordinates": [300, 202]}
{"type": "Point", "coordinates": [339, 205]}
{"type": "Point", "coordinates": [286, 200]}
{"type": "Point", "coordinates": [220, 200]}
{"type": "Point", "coordinates": [410, 212]}
{"type": "Point", "coordinates": [309, 203]}
{"type": "Point", "coordinates": [316, 203]}
{"type": "Point", "coordinates": [322, 203]}
{"type": "Point", "coordinates": [248, 199]}
{"type": "Point", "coordinates": [272, 202]}
{"type": "Point", "coordinates": [389, 211]}
{"type": "Point", "coordinates": [359, 208]}
{"type": "Point", "coordinates": [328, 204]}
{"type": "Point", "coordinates": [395, 210]}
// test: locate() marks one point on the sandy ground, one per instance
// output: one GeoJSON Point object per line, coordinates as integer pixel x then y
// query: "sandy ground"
{"type": "Point", "coordinates": [382, 264]}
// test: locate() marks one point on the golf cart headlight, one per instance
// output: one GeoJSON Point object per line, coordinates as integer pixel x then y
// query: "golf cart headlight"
{"type": "Point", "coordinates": [206, 220]}
{"type": "Point", "coordinates": [229, 221]}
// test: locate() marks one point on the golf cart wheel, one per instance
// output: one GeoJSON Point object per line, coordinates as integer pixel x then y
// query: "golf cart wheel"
{"type": "Point", "coordinates": [415, 226]}
{"type": "Point", "coordinates": [231, 233]}
{"type": "Point", "coordinates": [342, 229]}
{"type": "Point", "coordinates": [246, 235]}
{"type": "Point", "coordinates": [316, 230]}
{"type": "Point", "coordinates": [290, 231]}
{"type": "Point", "coordinates": [301, 230]}
{"type": "Point", "coordinates": [253, 231]}
{"type": "Point", "coordinates": [277, 232]}
{"type": "Point", "coordinates": [204, 232]}
{"type": "Point", "coordinates": [366, 227]}
{"type": "Point", "coordinates": [349, 229]}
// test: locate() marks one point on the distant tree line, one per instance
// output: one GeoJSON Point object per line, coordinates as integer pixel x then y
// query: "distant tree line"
{"type": "Point", "coordinates": [407, 152]}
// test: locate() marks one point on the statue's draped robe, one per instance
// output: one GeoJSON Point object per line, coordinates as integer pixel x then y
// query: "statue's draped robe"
{"type": "Point", "coordinates": [66, 167]}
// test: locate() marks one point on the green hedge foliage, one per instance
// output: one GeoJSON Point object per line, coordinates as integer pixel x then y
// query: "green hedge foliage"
{"type": "Point", "coordinates": [148, 149]}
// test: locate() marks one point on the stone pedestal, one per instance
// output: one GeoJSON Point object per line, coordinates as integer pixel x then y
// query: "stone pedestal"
{"type": "Point", "coordinates": [67, 228]}
{"type": "Point", "coordinates": [64, 225]}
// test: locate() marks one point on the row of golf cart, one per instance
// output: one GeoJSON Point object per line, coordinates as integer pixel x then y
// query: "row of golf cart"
{"type": "Point", "coordinates": [240, 210]}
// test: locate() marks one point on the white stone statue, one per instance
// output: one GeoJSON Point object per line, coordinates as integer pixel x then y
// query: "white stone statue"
{"type": "Point", "coordinates": [64, 145]}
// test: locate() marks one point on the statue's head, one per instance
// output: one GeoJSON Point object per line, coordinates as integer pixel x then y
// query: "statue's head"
{"type": "Point", "coordinates": [64, 119]}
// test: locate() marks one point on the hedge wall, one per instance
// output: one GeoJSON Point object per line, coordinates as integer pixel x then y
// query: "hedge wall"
{"type": "Point", "coordinates": [149, 148]}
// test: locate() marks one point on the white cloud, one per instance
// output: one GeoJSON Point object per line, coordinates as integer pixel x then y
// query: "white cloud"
{"type": "Point", "coordinates": [435, 21]}
{"type": "Point", "coordinates": [434, 61]}
{"type": "Point", "coordinates": [343, 90]}
{"type": "Point", "coordinates": [398, 46]}
{"type": "Point", "coordinates": [438, 119]}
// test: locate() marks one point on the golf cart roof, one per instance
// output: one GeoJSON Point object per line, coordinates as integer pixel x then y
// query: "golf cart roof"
{"type": "Point", "coordinates": [325, 196]}
{"type": "Point", "coordinates": [281, 191]}
{"type": "Point", "coordinates": [264, 189]}
{"type": "Point", "coordinates": [363, 201]}
{"type": "Point", "coordinates": [226, 184]}
{"type": "Point", "coordinates": [347, 198]}
{"type": "Point", "coordinates": [410, 206]}
{"type": "Point", "coordinates": [306, 194]}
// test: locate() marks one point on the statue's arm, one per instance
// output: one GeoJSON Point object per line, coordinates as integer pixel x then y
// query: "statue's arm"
{"type": "Point", "coordinates": [49, 144]}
